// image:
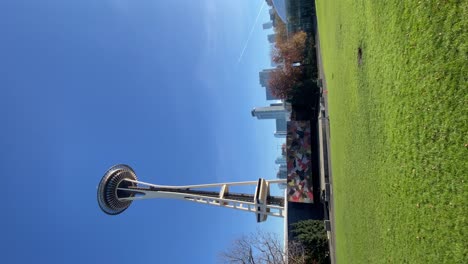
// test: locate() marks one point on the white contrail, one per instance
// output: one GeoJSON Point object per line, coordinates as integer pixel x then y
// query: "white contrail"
{"type": "Point", "coordinates": [250, 34]}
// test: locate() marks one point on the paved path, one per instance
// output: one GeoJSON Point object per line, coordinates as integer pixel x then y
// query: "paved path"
{"type": "Point", "coordinates": [326, 171]}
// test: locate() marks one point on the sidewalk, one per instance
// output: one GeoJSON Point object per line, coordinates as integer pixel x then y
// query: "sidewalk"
{"type": "Point", "coordinates": [325, 161]}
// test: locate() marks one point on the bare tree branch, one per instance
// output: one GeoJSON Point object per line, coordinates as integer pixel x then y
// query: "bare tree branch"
{"type": "Point", "coordinates": [263, 248]}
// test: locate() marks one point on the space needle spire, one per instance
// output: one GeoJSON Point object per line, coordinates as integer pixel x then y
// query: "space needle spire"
{"type": "Point", "coordinates": [120, 186]}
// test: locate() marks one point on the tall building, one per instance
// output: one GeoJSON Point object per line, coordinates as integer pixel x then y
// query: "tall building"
{"type": "Point", "coordinates": [264, 77]}
{"type": "Point", "coordinates": [280, 134]}
{"type": "Point", "coordinates": [271, 11]}
{"type": "Point", "coordinates": [271, 38]}
{"type": "Point", "coordinates": [281, 160]}
{"type": "Point", "coordinates": [268, 95]}
{"type": "Point", "coordinates": [282, 172]}
{"type": "Point", "coordinates": [280, 112]}
{"type": "Point", "coordinates": [274, 111]}
{"type": "Point", "coordinates": [268, 25]}
{"type": "Point", "coordinates": [281, 125]}
{"type": "Point", "coordinates": [282, 175]}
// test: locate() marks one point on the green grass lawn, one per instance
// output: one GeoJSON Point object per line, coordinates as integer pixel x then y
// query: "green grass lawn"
{"type": "Point", "coordinates": [399, 128]}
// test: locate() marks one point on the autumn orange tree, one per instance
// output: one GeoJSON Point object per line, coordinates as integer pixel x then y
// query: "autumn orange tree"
{"type": "Point", "coordinates": [283, 80]}
{"type": "Point", "coordinates": [287, 51]}
{"type": "Point", "coordinates": [291, 50]}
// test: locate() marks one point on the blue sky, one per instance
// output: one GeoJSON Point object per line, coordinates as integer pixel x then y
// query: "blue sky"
{"type": "Point", "coordinates": [154, 84]}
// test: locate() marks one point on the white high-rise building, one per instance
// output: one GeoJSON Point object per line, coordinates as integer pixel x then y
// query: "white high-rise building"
{"type": "Point", "coordinates": [280, 112]}
{"type": "Point", "coordinates": [274, 111]}
{"type": "Point", "coordinates": [280, 134]}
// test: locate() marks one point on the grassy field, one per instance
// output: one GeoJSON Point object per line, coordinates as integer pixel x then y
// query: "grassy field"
{"type": "Point", "coordinates": [399, 128]}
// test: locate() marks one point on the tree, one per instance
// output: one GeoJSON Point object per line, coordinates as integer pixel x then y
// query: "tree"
{"type": "Point", "coordinates": [283, 80]}
{"type": "Point", "coordinates": [256, 248]}
{"type": "Point", "coordinates": [263, 248]}
{"type": "Point", "coordinates": [290, 50]}
{"type": "Point", "coordinates": [287, 52]}
{"type": "Point", "coordinates": [281, 33]}
{"type": "Point", "coordinates": [309, 244]}
{"type": "Point", "coordinates": [312, 235]}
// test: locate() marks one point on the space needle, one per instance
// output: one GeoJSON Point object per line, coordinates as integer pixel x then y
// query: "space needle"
{"type": "Point", "coordinates": [120, 186]}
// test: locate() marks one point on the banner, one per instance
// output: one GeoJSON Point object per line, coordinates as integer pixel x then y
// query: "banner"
{"type": "Point", "coordinates": [299, 166]}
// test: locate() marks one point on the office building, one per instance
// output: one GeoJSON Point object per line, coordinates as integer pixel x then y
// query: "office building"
{"type": "Point", "coordinates": [268, 25]}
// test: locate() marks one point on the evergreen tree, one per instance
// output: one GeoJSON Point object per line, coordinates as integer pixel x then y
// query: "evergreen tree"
{"type": "Point", "coordinates": [312, 235]}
